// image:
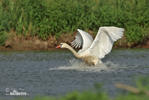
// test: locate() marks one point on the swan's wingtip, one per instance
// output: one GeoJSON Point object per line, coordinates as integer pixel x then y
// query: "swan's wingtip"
{"type": "Point", "coordinates": [122, 29]}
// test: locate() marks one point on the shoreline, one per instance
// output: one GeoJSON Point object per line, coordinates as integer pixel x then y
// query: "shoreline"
{"type": "Point", "coordinates": [3, 48]}
{"type": "Point", "coordinates": [29, 43]}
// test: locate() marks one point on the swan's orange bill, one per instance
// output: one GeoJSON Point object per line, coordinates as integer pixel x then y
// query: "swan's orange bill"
{"type": "Point", "coordinates": [58, 46]}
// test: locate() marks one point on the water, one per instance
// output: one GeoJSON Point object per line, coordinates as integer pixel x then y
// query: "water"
{"type": "Point", "coordinates": [56, 73]}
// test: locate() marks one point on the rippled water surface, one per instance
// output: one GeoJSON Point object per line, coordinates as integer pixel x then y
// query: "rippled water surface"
{"type": "Point", "coordinates": [58, 72]}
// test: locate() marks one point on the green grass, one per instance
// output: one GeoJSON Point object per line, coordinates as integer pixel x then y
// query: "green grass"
{"type": "Point", "coordinates": [142, 84]}
{"type": "Point", "coordinates": [3, 37]}
{"type": "Point", "coordinates": [54, 17]}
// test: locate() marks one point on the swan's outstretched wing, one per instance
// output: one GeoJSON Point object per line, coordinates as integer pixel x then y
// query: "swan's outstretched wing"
{"type": "Point", "coordinates": [104, 40]}
{"type": "Point", "coordinates": [83, 39]}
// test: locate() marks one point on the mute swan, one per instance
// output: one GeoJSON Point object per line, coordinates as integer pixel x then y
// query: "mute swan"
{"type": "Point", "coordinates": [94, 50]}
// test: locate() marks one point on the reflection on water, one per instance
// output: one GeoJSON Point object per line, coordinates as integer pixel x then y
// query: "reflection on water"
{"type": "Point", "coordinates": [58, 72]}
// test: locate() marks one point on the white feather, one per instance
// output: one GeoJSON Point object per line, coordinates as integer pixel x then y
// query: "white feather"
{"type": "Point", "coordinates": [104, 40]}
{"type": "Point", "coordinates": [93, 51]}
{"type": "Point", "coordinates": [83, 39]}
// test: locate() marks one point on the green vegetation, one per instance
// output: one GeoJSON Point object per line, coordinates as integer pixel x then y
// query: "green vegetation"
{"type": "Point", "coordinates": [94, 96]}
{"type": "Point", "coordinates": [142, 85]}
{"type": "Point", "coordinates": [53, 17]}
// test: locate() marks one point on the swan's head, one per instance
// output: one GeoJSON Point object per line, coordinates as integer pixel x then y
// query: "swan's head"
{"type": "Point", "coordinates": [62, 45]}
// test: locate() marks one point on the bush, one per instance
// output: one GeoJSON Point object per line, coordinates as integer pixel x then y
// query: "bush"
{"type": "Point", "coordinates": [54, 17]}
{"type": "Point", "coordinates": [142, 85]}
{"type": "Point", "coordinates": [3, 37]}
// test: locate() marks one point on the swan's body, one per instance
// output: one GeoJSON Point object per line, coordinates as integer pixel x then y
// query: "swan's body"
{"type": "Point", "coordinates": [94, 50]}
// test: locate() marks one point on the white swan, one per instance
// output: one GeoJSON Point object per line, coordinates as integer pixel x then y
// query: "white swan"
{"type": "Point", "coordinates": [94, 50]}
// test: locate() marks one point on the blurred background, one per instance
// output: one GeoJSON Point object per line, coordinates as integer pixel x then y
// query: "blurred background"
{"type": "Point", "coordinates": [54, 21]}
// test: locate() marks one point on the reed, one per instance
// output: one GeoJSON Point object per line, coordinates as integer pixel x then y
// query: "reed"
{"type": "Point", "coordinates": [55, 17]}
{"type": "Point", "coordinates": [140, 92]}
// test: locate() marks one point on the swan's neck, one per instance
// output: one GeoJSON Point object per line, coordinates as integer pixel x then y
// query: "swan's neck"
{"type": "Point", "coordinates": [73, 51]}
